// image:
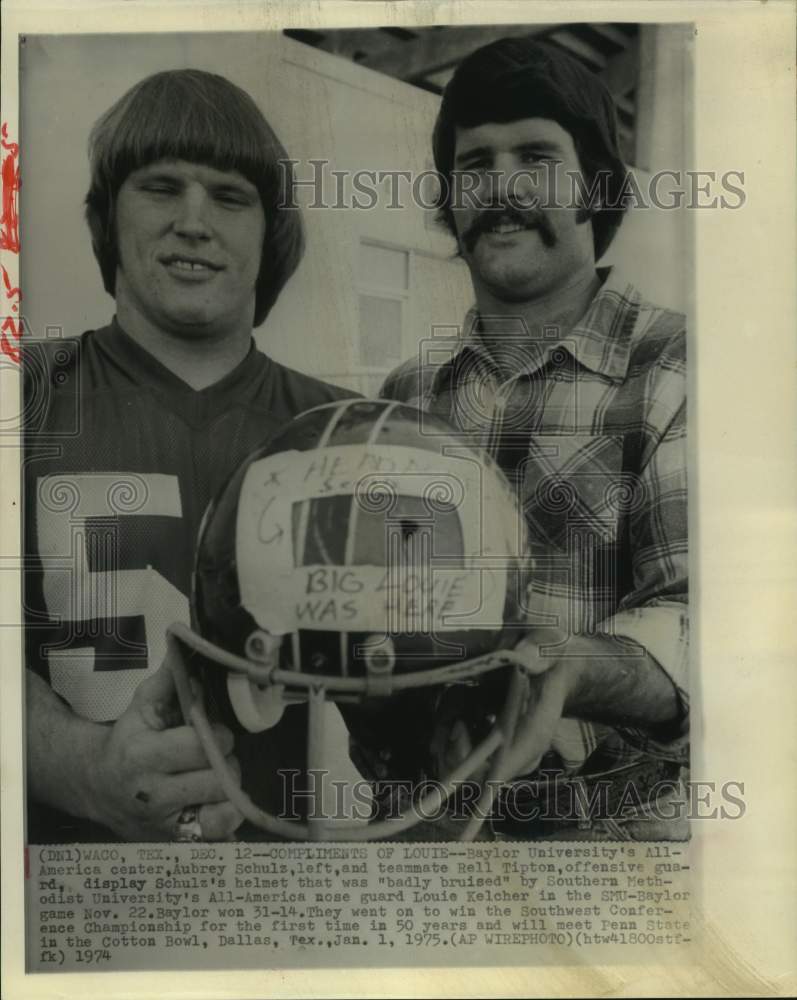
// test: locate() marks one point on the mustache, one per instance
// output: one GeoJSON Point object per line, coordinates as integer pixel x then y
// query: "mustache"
{"type": "Point", "coordinates": [528, 218]}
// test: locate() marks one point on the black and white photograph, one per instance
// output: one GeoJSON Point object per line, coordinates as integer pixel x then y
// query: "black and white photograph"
{"type": "Point", "coordinates": [353, 556]}
{"type": "Point", "coordinates": [358, 485]}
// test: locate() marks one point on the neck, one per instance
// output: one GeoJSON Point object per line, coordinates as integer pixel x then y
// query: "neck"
{"type": "Point", "coordinates": [199, 361]}
{"type": "Point", "coordinates": [561, 308]}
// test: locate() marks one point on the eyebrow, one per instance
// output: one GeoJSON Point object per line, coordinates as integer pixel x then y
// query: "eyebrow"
{"type": "Point", "coordinates": [155, 174]}
{"type": "Point", "coordinates": [532, 145]}
{"type": "Point", "coordinates": [237, 184]}
{"type": "Point", "coordinates": [242, 187]}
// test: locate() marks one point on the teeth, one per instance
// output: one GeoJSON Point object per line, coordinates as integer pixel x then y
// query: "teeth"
{"type": "Point", "coordinates": [188, 265]}
{"type": "Point", "coordinates": [507, 227]}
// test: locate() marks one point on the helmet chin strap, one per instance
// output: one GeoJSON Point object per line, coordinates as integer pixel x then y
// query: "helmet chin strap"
{"type": "Point", "coordinates": [317, 829]}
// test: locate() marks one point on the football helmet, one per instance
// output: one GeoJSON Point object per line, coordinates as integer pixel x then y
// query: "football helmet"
{"type": "Point", "coordinates": [362, 552]}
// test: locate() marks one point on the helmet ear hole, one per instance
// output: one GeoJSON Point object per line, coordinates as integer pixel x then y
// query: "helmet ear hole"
{"type": "Point", "coordinates": [256, 708]}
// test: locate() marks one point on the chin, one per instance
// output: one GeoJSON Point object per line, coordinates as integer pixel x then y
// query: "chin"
{"type": "Point", "coordinates": [508, 271]}
{"type": "Point", "coordinates": [193, 324]}
{"type": "Point", "coordinates": [515, 294]}
{"type": "Point", "coordinates": [514, 285]}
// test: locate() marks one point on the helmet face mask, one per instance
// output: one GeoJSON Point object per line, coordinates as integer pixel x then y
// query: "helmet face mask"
{"type": "Point", "coordinates": [363, 552]}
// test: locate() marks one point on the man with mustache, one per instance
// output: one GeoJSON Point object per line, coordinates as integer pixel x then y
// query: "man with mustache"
{"type": "Point", "coordinates": [576, 386]}
{"type": "Point", "coordinates": [131, 430]}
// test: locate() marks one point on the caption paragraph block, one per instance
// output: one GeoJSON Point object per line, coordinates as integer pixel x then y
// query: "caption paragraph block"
{"type": "Point", "coordinates": [181, 906]}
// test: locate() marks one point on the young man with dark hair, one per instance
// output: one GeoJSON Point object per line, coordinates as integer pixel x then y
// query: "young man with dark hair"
{"type": "Point", "coordinates": [131, 431]}
{"type": "Point", "coordinates": [576, 385]}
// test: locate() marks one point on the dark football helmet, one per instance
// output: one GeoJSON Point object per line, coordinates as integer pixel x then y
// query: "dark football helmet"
{"type": "Point", "coordinates": [362, 553]}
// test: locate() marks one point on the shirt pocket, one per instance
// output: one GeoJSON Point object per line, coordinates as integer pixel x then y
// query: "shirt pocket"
{"type": "Point", "coordinates": [574, 483]}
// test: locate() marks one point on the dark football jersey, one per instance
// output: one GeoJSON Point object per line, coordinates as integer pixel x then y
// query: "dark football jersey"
{"type": "Point", "coordinates": [121, 460]}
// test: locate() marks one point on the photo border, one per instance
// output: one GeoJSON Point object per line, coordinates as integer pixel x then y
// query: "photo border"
{"type": "Point", "coordinates": [742, 493]}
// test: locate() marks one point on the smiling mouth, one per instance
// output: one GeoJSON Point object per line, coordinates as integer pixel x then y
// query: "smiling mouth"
{"type": "Point", "coordinates": [497, 225]}
{"type": "Point", "coordinates": [190, 265]}
{"type": "Point", "coordinates": [501, 226]}
{"type": "Point", "coordinates": [506, 228]}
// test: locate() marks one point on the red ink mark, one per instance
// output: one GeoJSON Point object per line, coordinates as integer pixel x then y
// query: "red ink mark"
{"type": "Point", "coordinates": [11, 325]}
{"type": "Point", "coordinates": [27, 863]}
{"type": "Point", "coordinates": [9, 220]}
{"type": "Point", "coordinates": [11, 329]}
{"type": "Point", "coordinates": [11, 291]}
{"type": "Point", "coordinates": [14, 327]}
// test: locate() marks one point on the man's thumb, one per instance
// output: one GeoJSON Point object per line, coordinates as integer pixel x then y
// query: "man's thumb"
{"type": "Point", "coordinates": [156, 699]}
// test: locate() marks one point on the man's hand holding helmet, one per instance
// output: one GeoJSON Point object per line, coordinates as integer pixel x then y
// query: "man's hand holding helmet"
{"type": "Point", "coordinates": [151, 772]}
{"type": "Point", "coordinates": [544, 687]}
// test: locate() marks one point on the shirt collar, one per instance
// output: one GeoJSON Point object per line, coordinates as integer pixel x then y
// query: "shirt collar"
{"type": "Point", "coordinates": [600, 341]}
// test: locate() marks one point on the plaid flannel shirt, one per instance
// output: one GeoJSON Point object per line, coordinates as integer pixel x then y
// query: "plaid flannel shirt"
{"type": "Point", "coordinates": [591, 429]}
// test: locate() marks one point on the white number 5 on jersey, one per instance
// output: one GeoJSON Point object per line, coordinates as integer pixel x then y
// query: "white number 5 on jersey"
{"type": "Point", "coordinates": [73, 593]}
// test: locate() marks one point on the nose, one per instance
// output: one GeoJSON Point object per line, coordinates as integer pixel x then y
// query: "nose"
{"type": "Point", "coordinates": [516, 181]}
{"type": "Point", "coordinates": [192, 213]}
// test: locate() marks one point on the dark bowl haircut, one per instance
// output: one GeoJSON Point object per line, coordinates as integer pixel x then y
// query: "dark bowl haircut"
{"type": "Point", "coordinates": [515, 78]}
{"type": "Point", "coordinates": [198, 117]}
